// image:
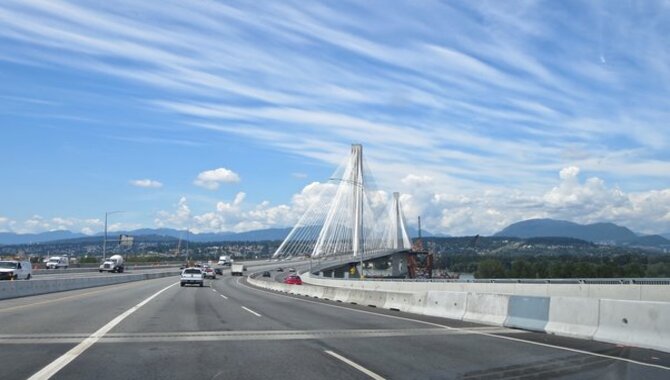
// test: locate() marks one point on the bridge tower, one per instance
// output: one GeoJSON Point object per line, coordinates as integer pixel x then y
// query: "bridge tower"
{"type": "Point", "coordinates": [348, 217]}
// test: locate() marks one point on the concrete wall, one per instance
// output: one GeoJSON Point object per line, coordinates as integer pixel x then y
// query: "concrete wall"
{"type": "Point", "coordinates": [23, 288]}
{"type": "Point", "coordinates": [633, 292]}
{"type": "Point", "coordinates": [527, 312]}
{"type": "Point", "coordinates": [644, 324]}
{"type": "Point", "coordinates": [587, 315]}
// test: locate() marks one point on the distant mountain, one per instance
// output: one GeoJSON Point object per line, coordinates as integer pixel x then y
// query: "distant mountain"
{"type": "Point", "coordinates": [597, 232]}
{"type": "Point", "coordinates": [414, 233]}
{"type": "Point", "coordinates": [162, 234]}
{"type": "Point", "coordinates": [13, 238]}
{"type": "Point", "coordinates": [650, 241]}
{"type": "Point", "coordinates": [667, 235]}
{"type": "Point", "coordinates": [97, 239]}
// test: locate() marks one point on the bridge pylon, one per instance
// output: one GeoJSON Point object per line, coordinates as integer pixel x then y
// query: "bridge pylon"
{"type": "Point", "coordinates": [344, 222]}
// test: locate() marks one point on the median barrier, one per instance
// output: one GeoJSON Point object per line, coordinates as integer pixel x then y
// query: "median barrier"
{"type": "Point", "coordinates": [341, 295]}
{"type": "Point", "coordinates": [486, 308]}
{"type": "Point", "coordinates": [315, 291]}
{"type": "Point", "coordinates": [376, 299]}
{"type": "Point", "coordinates": [329, 293]}
{"type": "Point", "coordinates": [407, 302]}
{"type": "Point", "coordinates": [527, 312]}
{"type": "Point", "coordinates": [445, 304]}
{"type": "Point", "coordinates": [357, 297]}
{"type": "Point", "coordinates": [636, 323]}
{"type": "Point", "coordinates": [24, 288]}
{"type": "Point", "coordinates": [575, 317]}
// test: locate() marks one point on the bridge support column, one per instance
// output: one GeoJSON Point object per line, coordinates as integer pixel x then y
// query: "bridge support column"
{"type": "Point", "coordinates": [398, 264]}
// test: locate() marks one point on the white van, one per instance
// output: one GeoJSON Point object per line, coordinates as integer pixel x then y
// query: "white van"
{"type": "Point", "coordinates": [57, 262]}
{"type": "Point", "coordinates": [15, 270]}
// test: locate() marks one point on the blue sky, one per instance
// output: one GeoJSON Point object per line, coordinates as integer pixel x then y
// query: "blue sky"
{"type": "Point", "coordinates": [225, 116]}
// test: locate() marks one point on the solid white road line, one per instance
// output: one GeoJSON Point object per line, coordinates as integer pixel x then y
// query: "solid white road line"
{"type": "Point", "coordinates": [251, 311]}
{"type": "Point", "coordinates": [464, 329]}
{"type": "Point", "coordinates": [355, 365]}
{"type": "Point", "coordinates": [224, 297]}
{"type": "Point", "coordinates": [69, 356]}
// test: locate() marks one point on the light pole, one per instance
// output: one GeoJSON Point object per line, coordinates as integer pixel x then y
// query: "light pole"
{"type": "Point", "coordinates": [104, 242]}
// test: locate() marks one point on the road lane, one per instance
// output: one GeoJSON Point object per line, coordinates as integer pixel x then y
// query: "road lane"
{"type": "Point", "coordinates": [195, 332]}
{"type": "Point", "coordinates": [74, 313]}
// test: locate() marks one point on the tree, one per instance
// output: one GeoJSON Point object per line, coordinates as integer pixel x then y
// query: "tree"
{"type": "Point", "coordinates": [521, 269]}
{"type": "Point", "coordinates": [490, 268]}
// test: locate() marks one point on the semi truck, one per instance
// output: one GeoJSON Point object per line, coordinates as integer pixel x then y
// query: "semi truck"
{"type": "Point", "coordinates": [224, 260]}
{"type": "Point", "coordinates": [113, 264]}
{"type": "Point", "coordinates": [237, 269]}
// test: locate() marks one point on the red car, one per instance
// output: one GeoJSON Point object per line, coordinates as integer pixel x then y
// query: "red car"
{"type": "Point", "coordinates": [293, 279]}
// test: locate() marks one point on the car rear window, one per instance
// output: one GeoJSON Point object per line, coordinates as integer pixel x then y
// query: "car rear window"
{"type": "Point", "coordinates": [192, 271]}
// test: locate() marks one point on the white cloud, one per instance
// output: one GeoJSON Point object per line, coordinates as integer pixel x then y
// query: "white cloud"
{"type": "Point", "coordinates": [146, 183]}
{"type": "Point", "coordinates": [178, 219]}
{"type": "Point", "coordinates": [417, 180]}
{"type": "Point", "coordinates": [212, 179]}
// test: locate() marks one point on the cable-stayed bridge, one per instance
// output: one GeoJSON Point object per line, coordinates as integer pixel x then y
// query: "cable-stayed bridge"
{"type": "Point", "coordinates": [351, 219]}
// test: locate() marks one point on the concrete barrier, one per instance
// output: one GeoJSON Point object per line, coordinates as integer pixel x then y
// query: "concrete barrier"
{"type": "Point", "coordinates": [575, 317]}
{"type": "Point", "coordinates": [629, 322]}
{"type": "Point", "coordinates": [626, 291]}
{"type": "Point", "coordinates": [357, 297]}
{"type": "Point", "coordinates": [489, 309]}
{"type": "Point", "coordinates": [635, 323]}
{"type": "Point", "coordinates": [407, 302]}
{"type": "Point", "coordinates": [329, 293]}
{"type": "Point", "coordinates": [341, 295]}
{"type": "Point", "coordinates": [24, 288]}
{"type": "Point", "coordinates": [376, 299]}
{"type": "Point", "coordinates": [445, 304]}
{"type": "Point", "coordinates": [528, 313]}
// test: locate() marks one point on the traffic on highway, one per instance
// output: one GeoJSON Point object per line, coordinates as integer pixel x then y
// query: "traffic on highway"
{"type": "Point", "coordinates": [225, 327]}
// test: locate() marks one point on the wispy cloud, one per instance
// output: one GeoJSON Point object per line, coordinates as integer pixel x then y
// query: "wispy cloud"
{"type": "Point", "coordinates": [146, 183]}
{"type": "Point", "coordinates": [477, 97]}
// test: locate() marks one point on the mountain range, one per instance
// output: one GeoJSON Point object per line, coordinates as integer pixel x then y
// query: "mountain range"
{"type": "Point", "coordinates": [10, 238]}
{"type": "Point", "coordinates": [605, 233]}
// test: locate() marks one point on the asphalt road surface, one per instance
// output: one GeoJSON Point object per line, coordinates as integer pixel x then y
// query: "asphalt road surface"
{"type": "Point", "coordinates": [156, 329]}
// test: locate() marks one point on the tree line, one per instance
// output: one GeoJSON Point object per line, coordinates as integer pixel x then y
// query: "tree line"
{"type": "Point", "coordinates": [552, 266]}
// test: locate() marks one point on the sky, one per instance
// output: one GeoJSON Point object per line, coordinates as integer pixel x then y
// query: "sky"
{"type": "Point", "coordinates": [231, 116]}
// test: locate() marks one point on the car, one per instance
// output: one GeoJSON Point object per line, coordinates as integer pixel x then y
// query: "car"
{"type": "Point", "coordinates": [15, 270]}
{"type": "Point", "coordinates": [280, 269]}
{"type": "Point", "coordinates": [218, 271]}
{"type": "Point", "coordinates": [209, 273]}
{"type": "Point", "coordinates": [266, 274]}
{"type": "Point", "coordinates": [192, 276]}
{"type": "Point", "coordinates": [291, 270]}
{"type": "Point", "coordinates": [293, 279]}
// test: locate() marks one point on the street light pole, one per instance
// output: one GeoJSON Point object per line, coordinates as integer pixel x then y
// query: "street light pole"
{"type": "Point", "coordinates": [104, 242]}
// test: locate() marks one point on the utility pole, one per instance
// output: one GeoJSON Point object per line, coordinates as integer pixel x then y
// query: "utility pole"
{"type": "Point", "coordinates": [104, 242]}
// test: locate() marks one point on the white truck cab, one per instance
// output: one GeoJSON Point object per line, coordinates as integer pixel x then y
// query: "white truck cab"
{"type": "Point", "coordinates": [224, 260]}
{"type": "Point", "coordinates": [113, 264]}
{"type": "Point", "coordinates": [58, 262]}
{"type": "Point", "coordinates": [15, 270]}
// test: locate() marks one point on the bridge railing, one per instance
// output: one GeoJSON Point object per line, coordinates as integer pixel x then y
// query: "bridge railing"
{"type": "Point", "coordinates": [589, 281]}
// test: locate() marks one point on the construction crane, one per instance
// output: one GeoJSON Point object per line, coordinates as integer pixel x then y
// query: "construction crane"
{"type": "Point", "coordinates": [413, 265]}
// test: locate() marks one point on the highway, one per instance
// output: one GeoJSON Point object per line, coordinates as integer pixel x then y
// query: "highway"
{"type": "Point", "coordinates": [156, 329]}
